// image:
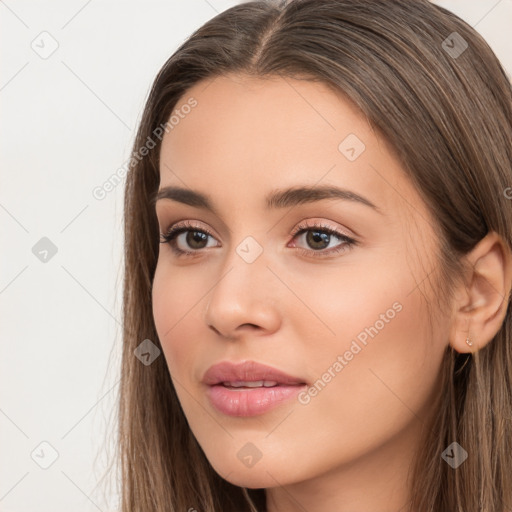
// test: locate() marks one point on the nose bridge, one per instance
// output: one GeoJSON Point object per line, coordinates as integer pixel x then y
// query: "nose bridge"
{"type": "Point", "coordinates": [244, 269]}
{"type": "Point", "coordinates": [243, 292]}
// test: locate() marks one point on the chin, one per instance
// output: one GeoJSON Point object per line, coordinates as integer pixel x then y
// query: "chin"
{"type": "Point", "coordinates": [251, 478]}
{"type": "Point", "coordinates": [266, 472]}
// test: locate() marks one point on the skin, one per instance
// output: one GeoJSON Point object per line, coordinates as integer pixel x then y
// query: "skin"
{"type": "Point", "coordinates": [350, 448]}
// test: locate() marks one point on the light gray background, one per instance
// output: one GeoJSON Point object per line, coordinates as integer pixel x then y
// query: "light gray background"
{"type": "Point", "coordinates": [68, 122]}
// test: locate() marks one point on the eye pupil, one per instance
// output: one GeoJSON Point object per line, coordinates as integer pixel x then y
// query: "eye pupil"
{"type": "Point", "coordinates": [196, 236]}
{"type": "Point", "coordinates": [318, 236]}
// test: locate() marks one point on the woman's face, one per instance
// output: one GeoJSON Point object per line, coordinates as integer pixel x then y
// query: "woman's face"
{"type": "Point", "coordinates": [271, 284]}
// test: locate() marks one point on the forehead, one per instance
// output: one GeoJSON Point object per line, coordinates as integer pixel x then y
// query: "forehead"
{"type": "Point", "coordinates": [246, 136]}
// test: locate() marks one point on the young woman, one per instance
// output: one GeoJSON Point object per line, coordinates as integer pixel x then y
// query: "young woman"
{"type": "Point", "coordinates": [319, 267]}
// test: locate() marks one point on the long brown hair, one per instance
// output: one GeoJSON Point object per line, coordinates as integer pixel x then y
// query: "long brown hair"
{"type": "Point", "coordinates": [448, 115]}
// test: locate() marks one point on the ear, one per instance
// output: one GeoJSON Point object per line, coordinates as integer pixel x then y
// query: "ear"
{"type": "Point", "coordinates": [482, 300]}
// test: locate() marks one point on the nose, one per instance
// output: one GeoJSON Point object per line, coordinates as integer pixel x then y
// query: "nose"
{"type": "Point", "coordinates": [244, 299]}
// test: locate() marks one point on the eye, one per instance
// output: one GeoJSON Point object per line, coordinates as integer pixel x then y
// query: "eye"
{"type": "Point", "coordinates": [319, 237]}
{"type": "Point", "coordinates": [195, 238]}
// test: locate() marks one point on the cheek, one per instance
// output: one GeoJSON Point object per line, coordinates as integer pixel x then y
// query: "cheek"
{"type": "Point", "coordinates": [175, 296]}
{"type": "Point", "coordinates": [375, 355]}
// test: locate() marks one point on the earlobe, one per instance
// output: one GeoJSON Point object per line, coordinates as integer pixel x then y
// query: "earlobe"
{"type": "Point", "coordinates": [481, 306]}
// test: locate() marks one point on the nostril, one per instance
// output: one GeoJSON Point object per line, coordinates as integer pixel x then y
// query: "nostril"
{"type": "Point", "coordinates": [233, 337]}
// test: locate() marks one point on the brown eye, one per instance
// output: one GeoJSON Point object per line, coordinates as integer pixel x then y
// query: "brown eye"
{"type": "Point", "coordinates": [196, 239]}
{"type": "Point", "coordinates": [188, 236]}
{"type": "Point", "coordinates": [318, 238]}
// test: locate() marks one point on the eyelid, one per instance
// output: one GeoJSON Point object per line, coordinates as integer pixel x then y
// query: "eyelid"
{"type": "Point", "coordinates": [321, 225]}
{"type": "Point", "coordinates": [304, 224]}
{"type": "Point", "coordinates": [189, 224]}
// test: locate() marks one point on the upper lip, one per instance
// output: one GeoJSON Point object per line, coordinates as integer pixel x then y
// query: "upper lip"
{"type": "Point", "coordinates": [250, 371]}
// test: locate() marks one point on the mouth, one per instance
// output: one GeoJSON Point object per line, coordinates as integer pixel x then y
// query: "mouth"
{"type": "Point", "coordinates": [248, 374]}
{"type": "Point", "coordinates": [249, 388]}
{"type": "Point", "coordinates": [250, 384]}
{"type": "Point", "coordinates": [251, 400]}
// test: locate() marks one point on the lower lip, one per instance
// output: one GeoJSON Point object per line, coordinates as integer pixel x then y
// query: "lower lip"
{"type": "Point", "coordinates": [250, 401]}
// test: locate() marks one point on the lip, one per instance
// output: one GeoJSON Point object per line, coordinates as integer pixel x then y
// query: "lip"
{"type": "Point", "coordinates": [249, 401]}
{"type": "Point", "coordinates": [251, 371]}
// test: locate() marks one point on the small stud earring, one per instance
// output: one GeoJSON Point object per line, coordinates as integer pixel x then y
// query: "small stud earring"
{"type": "Point", "coordinates": [469, 342]}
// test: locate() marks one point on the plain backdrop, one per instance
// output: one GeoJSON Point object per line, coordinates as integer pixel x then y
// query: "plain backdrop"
{"type": "Point", "coordinates": [74, 78]}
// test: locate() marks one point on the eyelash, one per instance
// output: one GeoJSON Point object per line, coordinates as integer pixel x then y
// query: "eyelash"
{"type": "Point", "coordinates": [170, 236]}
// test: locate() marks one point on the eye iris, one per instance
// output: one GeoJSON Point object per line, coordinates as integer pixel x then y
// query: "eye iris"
{"type": "Point", "coordinates": [314, 237]}
{"type": "Point", "coordinates": [196, 236]}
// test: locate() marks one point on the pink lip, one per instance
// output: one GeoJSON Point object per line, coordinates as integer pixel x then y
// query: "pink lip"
{"type": "Point", "coordinates": [246, 371]}
{"type": "Point", "coordinates": [249, 401]}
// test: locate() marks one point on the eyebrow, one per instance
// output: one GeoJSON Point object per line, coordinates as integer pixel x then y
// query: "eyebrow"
{"type": "Point", "coordinates": [276, 199]}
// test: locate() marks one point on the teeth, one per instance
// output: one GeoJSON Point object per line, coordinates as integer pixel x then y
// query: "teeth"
{"type": "Point", "coordinates": [253, 384]}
